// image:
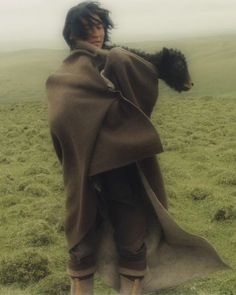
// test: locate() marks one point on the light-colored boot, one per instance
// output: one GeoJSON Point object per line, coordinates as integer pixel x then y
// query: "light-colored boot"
{"type": "Point", "coordinates": [129, 287]}
{"type": "Point", "coordinates": [82, 287]}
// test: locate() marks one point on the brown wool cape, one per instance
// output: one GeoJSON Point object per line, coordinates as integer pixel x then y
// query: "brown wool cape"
{"type": "Point", "coordinates": [100, 102]}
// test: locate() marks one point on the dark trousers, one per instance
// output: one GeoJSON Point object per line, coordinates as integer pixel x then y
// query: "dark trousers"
{"type": "Point", "coordinates": [119, 199]}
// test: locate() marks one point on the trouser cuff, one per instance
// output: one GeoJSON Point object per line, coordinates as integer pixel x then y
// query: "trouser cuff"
{"type": "Point", "coordinates": [131, 272]}
{"type": "Point", "coordinates": [80, 273]}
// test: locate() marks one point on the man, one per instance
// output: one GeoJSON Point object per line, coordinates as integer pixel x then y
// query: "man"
{"type": "Point", "coordinates": [90, 23]}
{"type": "Point", "coordinates": [100, 103]}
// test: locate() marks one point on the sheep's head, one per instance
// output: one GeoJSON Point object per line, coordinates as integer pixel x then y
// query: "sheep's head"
{"type": "Point", "coordinates": [173, 69]}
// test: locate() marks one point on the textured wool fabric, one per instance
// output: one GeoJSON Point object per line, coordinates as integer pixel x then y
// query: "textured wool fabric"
{"type": "Point", "coordinates": [100, 103]}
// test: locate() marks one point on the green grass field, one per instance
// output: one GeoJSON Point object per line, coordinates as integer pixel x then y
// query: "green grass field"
{"type": "Point", "coordinates": [198, 132]}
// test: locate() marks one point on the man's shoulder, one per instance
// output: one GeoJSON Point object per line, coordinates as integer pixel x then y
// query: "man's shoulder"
{"type": "Point", "coordinates": [120, 56]}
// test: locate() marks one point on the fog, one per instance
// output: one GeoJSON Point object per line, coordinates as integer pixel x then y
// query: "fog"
{"type": "Point", "coordinates": [39, 23]}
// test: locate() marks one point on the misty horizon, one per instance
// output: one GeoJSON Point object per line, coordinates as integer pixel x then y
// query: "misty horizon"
{"type": "Point", "coordinates": [60, 44]}
{"type": "Point", "coordinates": [39, 23]}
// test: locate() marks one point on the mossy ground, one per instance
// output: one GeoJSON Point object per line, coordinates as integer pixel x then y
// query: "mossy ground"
{"type": "Point", "coordinates": [199, 138]}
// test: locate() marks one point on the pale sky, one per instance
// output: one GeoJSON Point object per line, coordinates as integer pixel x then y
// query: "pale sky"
{"type": "Point", "coordinates": [135, 20]}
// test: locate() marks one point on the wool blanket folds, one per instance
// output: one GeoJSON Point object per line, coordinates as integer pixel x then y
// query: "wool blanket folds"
{"type": "Point", "coordinates": [99, 108]}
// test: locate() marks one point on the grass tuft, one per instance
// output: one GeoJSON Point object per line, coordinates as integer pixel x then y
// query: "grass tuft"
{"type": "Point", "coordinates": [200, 193]}
{"type": "Point", "coordinates": [227, 177]}
{"type": "Point", "coordinates": [225, 213]}
{"type": "Point", "coordinates": [25, 268]}
{"type": "Point", "coordinates": [54, 284]}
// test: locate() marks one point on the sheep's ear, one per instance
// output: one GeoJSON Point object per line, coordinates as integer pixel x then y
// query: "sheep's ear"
{"type": "Point", "coordinates": [165, 51]}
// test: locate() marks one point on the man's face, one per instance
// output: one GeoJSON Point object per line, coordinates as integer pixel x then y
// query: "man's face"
{"type": "Point", "coordinates": [96, 33]}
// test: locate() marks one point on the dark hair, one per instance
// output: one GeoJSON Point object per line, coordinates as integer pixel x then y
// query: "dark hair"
{"type": "Point", "coordinates": [84, 10]}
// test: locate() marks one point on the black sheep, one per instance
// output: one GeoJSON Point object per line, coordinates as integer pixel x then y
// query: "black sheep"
{"type": "Point", "coordinates": [171, 65]}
